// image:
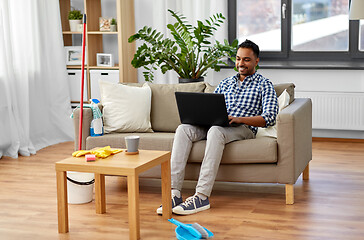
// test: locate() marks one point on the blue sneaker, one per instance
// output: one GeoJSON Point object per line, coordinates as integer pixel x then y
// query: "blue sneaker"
{"type": "Point", "coordinates": [175, 201]}
{"type": "Point", "coordinates": [192, 205]}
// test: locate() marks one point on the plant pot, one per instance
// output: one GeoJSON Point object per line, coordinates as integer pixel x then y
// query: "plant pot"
{"type": "Point", "coordinates": [190, 80]}
{"type": "Point", "coordinates": [79, 27]}
{"type": "Point", "coordinates": [112, 28]}
{"type": "Point", "coordinates": [74, 25]}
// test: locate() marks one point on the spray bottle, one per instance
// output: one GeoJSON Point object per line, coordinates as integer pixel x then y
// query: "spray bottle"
{"type": "Point", "coordinates": [97, 127]}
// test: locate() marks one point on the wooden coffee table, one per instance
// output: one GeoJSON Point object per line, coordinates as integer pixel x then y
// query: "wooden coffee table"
{"type": "Point", "coordinates": [120, 165]}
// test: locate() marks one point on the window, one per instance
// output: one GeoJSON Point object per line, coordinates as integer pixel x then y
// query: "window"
{"type": "Point", "coordinates": [264, 29]}
{"type": "Point", "coordinates": [298, 29]}
{"type": "Point", "coordinates": [361, 36]}
{"type": "Point", "coordinates": [320, 25]}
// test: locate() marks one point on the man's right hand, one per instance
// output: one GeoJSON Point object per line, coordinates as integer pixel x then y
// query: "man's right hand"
{"type": "Point", "coordinates": [256, 121]}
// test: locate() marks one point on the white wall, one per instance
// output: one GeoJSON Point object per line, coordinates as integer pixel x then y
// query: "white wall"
{"type": "Point", "coordinates": [309, 79]}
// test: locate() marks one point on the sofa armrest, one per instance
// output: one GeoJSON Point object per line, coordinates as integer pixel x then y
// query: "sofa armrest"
{"type": "Point", "coordinates": [294, 138]}
{"type": "Point", "coordinates": [86, 123]}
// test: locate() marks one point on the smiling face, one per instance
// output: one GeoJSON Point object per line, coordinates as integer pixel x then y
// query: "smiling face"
{"type": "Point", "coordinates": [246, 61]}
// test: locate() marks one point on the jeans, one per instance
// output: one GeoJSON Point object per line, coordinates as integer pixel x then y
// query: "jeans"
{"type": "Point", "coordinates": [216, 138]}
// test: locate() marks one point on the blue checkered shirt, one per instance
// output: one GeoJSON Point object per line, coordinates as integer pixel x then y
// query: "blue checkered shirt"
{"type": "Point", "coordinates": [255, 97]}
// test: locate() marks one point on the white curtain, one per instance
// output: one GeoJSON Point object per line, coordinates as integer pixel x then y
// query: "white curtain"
{"type": "Point", "coordinates": [34, 93]}
{"type": "Point", "coordinates": [154, 14]}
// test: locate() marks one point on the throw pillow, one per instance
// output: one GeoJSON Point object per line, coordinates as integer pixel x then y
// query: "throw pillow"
{"type": "Point", "coordinates": [125, 108]}
{"type": "Point", "coordinates": [164, 115]}
{"type": "Point", "coordinates": [209, 88]}
{"type": "Point", "coordinates": [289, 87]}
{"type": "Point", "coordinates": [283, 101]}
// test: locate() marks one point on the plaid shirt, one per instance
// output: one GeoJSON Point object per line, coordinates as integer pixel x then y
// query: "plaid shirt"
{"type": "Point", "coordinates": [255, 97]}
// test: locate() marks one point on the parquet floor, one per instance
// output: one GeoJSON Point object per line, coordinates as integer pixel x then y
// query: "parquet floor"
{"type": "Point", "coordinates": [328, 206]}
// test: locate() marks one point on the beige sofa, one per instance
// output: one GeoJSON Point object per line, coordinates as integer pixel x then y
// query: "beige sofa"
{"type": "Point", "coordinates": [260, 160]}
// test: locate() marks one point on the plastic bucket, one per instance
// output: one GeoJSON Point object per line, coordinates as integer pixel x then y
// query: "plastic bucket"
{"type": "Point", "coordinates": [80, 187]}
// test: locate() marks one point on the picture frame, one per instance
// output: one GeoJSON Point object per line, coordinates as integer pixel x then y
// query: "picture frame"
{"type": "Point", "coordinates": [74, 55]}
{"type": "Point", "coordinates": [104, 24]}
{"type": "Point", "coordinates": [104, 60]}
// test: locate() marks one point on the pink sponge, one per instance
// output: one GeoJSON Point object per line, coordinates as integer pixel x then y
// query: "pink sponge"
{"type": "Point", "coordinates": [90, 158]}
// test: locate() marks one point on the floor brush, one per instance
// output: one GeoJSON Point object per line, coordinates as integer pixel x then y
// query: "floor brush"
{"type": "Point", "coordinates": [190, 231]}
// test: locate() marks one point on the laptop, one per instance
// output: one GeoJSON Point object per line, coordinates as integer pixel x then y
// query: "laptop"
{"type": "Point", "coordinates": [202, 109]}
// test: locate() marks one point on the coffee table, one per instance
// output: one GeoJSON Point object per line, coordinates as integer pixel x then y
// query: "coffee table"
{"type": "Point", "coordinates": [121, 165]}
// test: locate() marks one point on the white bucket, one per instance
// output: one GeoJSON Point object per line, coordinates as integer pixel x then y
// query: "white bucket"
{"type": "Point", "coordinates": [80, 187]}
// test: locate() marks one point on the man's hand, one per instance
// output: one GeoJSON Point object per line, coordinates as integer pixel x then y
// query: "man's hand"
{"type": "Point", "coordinates": [236, 120]}
{"type": "Point", "coordinates": [256, 121]}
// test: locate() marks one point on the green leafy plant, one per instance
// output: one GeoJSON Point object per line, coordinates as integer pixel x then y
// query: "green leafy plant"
{"type": "Point", "coordinates": [74, 14]}
{"type": "Point", "coordinates": [113, 21]}
{"type": "Point", "coordinates": [190, 53]}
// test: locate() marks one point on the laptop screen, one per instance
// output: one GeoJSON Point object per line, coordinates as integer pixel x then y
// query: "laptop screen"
{"type": "Point", "coordinates": [202, 109]}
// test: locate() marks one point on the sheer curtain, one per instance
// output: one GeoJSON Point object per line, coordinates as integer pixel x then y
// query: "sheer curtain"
{"type": "Point", "coordinates": [34, 93]}
{"type": "Point", "coordinates": [154, 14]}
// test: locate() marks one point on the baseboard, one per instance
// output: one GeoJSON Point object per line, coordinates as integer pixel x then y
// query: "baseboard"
{"type": "Point", "coordinates": [351, 140]}
{"type": "Point", "coordinates": [337, 134]}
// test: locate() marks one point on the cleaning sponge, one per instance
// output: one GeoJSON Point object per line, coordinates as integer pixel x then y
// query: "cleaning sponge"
{"type": "Point", "coordinates": [90, 158]}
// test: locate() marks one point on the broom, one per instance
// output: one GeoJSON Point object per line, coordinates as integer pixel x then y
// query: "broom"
{"type": "Point", "coordinates": [82, 81]}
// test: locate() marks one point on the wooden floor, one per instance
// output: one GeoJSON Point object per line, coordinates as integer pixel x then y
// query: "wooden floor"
{"type": "Point", "coordinates": [328, 206]}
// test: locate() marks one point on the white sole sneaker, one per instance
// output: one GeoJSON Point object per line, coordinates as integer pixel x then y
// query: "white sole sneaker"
{"type": "Point", "coordinates": [174, 199]}
{"type": "Point", "coordinates": [159, 211]}
{"type": "Point", "coordinates": [180, 211]}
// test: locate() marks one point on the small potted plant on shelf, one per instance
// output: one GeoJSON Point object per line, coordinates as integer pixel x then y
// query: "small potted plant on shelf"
{"type": "Point", "coordinates": [75, 18]}
{"type": "Point", "coordinates": [190, 53]}
{"type": "Point", "coordinates": [113, 25]}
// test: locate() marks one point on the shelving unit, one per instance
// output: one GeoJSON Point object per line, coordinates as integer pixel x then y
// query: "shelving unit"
{"type": "Point", "coordinates": [94, 37]}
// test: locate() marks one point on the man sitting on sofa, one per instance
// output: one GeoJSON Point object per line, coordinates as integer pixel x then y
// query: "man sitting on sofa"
{"type": "Point", "coordinates": [251, 102]}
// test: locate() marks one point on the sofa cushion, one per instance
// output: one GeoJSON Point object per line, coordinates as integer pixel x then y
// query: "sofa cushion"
{"type": "Point", "coordinates": [148, 141]}
{"type": "Point", "coordinates": [244, 151]}
{"type": "Point", "coordinates": [258, 150]}
{"type": "Point", "coordinates": [280, 87]}
{"type": "Point", "coordinates": [125, 108]}
{"type": "Point", "coordinates": [209, 88]}
{"type": "Point", "coordinates": [164, 114]}
{"type": "Point", "coordinates": [283, 101]}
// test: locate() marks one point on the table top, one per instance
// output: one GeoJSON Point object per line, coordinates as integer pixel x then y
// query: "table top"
{"type": "Point", "coordinates": [118, 164]}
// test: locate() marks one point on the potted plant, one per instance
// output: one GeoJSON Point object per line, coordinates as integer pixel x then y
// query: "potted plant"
{"type": "Point", "coordinates": [113, 25]}
{"type": "Point", "coordinates": [75, 18]}
{"type": "Point", "coordinates": [190, 53]}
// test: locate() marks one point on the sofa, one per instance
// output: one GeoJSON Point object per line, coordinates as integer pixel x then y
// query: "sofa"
{"type": "Point", "coordinates": [281, 159]}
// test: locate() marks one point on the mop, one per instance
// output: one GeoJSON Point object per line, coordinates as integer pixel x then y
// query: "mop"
{"type": "Point", "coordinates": [102, 152]}
{"type": "Point", "coordinates": [82, 82]}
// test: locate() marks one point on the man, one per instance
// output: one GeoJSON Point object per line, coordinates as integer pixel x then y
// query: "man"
{"type": "Point", "coordinates": [251, 102]}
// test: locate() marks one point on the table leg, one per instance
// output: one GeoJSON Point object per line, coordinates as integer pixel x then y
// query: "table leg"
{"type": "Point", "coordinates": [166, 189]}
{"type": "Point", "coordinates": [62, 202]}
{"type": "Point", "coordinates": [100, 198]}
{"type": "Point", "coordinates": [133, 202]}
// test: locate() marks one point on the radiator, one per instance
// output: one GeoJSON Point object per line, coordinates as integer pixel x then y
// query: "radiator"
{"type": "Point", "coordinates": [336, 110]}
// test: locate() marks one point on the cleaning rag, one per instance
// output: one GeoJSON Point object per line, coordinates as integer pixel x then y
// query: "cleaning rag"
{"type": "Point", "coordinates": [99, 152]}
{"type": "Point", "coordinates": [95, 110]}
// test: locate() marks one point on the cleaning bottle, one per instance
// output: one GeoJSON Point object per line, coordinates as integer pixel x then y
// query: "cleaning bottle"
{"type": "Point", "coordinates": [97, 127]}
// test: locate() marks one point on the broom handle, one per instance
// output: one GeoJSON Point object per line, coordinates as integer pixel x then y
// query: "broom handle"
{"type": "Point", "coordinates": [82, 82]}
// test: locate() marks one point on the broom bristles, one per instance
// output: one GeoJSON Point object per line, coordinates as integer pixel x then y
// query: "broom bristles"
{"type": "Point", "coordinates": [200, 229]}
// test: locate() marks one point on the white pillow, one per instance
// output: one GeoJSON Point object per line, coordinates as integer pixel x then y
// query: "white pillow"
{"type": "Point", "coordinates": [283, 101]}
{"type": "Point", "coordinates": [125, 108]}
